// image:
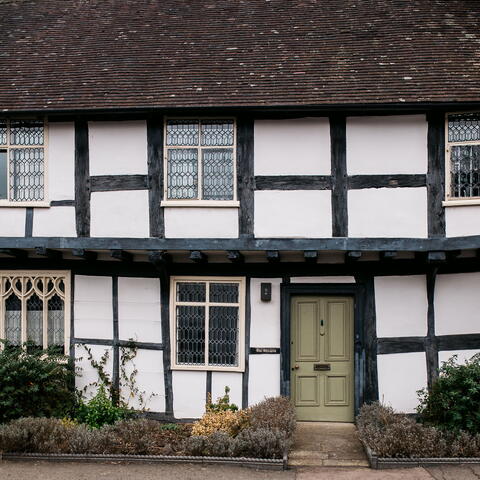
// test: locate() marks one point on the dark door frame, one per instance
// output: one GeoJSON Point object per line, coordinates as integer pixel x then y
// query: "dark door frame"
{"type": "Point", "coordinates": [355, 290]}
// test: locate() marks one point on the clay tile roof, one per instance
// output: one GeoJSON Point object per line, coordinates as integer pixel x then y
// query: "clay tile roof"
{"type": "Point", "coordinates": [100, 54]}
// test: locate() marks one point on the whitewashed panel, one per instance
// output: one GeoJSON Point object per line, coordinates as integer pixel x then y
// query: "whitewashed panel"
{"type": "Point", "coordinates": [61, 161]}
{"type": "Point", "coordinates": [265, 316]}
{"type": "Point", "coordinates": [387, 144]}
{"type": "Point", "coordinates": [12, 222]}
{"type": "Point", "coordinates": [149, 380]}
{"type": "Point", "coordinates": [200, 222]}
{"type": "Point", "coordinates": [220, 380]}
{"type": "Point", "coordinates": [93, 309]}
{"type": "Point", "coordinates": [292, 147]}
{"type": "Point", "coordinates": [139, 309]}
{"type": "Point", "coordinates": [400, 376]}
{"type": "Point", "coordinates": [117, 148]}
{"type": "Point", "coordinates": [401, 306]}
{"type": "Point", "coordinates": [462, 221]}
{"type": "Point", "coordinates": [87, 373]}
{"type": "Point", "coordinates": [387, 212]}
{"type": "Point", "coordinates": [120, 214]}
{"type": "Point", "coordinates": [189, 393]}
{"type": "Point", "coordinates": [294, 214]}
{"type": "Point", "coordinates": [456, 304]}
{"type": "Point", "coordinates": [263, 377]}
{"type": "Point", "coordinates": [54, 222]}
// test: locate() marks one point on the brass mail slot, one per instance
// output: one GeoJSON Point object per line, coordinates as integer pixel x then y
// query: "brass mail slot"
{"type": "Point", "coordinates": [321, 367]}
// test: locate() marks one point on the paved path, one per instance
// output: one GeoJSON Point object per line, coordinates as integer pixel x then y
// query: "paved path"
{"type": "Point", "coordinates": [93, 471]}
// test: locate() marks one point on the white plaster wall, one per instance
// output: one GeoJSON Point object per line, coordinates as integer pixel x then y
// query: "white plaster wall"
{"type": "Point", "coordinates": [292, 147]}
{"type": "Point", "coordinates": [263, 377]}
{"type": "Point", "coordinates": [294, 213]}
{"type": "Point", "coordinates": [462, 355]}
{"type": "Point", "coordinates": [387, 144]}
{"type": "Point", "coordinates": [401, 306]}
{"type": "Point", "coordinates": [220, 380]}
{"type": "Point", "coordinates": [120, 214]}
{"type": "Point", "coordinates": [400, 375]}
{"type": "Point", "coordinates": [199, 222]}
{"type": "Point", "coordinates": [265, 316]}
{"type": "Point", "coordinates": [456, 303]}
{"type": "Point", "coordinates": [12, 222]}
{"type": "Point", "coordinates": [61, 161]}
{"type": "Point", "coordinates": [149, 380]}
{"type": "Point", "coordinates": [139, 309]}
{"type": "Point", "coordinates": [462, 221]}
{"type": "Point", "coordinates": [387, 212]}
{"type": "Point", "coordinates": [189, 393]}
{"type": "Point", "coordinates": [117, 148]}
{"type": "Point", "coordinates": [93, 311]}
{"type": "Point", "coordinates": [54, 222]}
{"type": "Point", "coordinates": [326, 279]}
{"type": "Point", "coordinates": [88, 374]}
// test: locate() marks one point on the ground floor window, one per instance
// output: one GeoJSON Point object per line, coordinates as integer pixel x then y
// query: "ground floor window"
{"type": "Point", "coordinates": [207, 323]}
{"type": "Point", "coordinates": [35, 308]}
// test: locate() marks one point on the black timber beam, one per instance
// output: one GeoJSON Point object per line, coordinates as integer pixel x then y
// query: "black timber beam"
{"type": "Point", "coordinates": [87, 255]}
{"type": "Point", "coordinates": [48, 253]}
{"type": "Point", "coordinates": [14, 252]}
{"type": "Point", "coordinates": [159, 258]}
{"type": "Point", "coordinates": [273, 256]}
{"type": "Point", "coordinates": [310, 256]}
{"type": "Point", "coordinates": [353, 256]}
{"type": "Point", "coordinates": [235, 256]}
{"type": "Point", "coordinates": [388, 255]}
{"type": "Point", "coordinates": [121, 255]}
{"type": "Point", "coordinates": [198, 257]}
{"type": "Point", "coordinates": [436, 257]}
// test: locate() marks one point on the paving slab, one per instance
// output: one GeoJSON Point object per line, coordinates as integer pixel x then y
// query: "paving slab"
{"type": "Point", "coordinates": [336, 473]}
{"type": "Point", "coordinates": [455, 472]}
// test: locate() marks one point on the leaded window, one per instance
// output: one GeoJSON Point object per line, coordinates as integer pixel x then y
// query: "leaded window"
{"type": "Point", "coordinates": [463, 152]}
{"type": "Point", "coordinates": [207, 323]}
{"type": "Point", "coordinates": [34, 309]}
{"type": "Point", "coordinates": [200, 159]}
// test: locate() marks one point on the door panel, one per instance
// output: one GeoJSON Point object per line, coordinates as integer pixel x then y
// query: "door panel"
{"type": "Point", "coordinates": [322, 358]}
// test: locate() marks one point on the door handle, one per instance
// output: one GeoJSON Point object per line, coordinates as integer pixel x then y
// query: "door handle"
{"type": "Point", "coordinates": [295, 367]}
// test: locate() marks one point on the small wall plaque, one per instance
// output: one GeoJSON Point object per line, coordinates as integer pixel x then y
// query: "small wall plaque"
{"type": "Point", "coordinates": [264, 350]}
{"type": "Point", "coordinates": [266, 292]}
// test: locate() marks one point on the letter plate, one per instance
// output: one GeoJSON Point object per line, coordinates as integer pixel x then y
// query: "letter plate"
{"type": "Point", "coordinates": [321, 367]}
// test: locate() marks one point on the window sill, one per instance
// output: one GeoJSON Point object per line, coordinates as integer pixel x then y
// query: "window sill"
{"type": "Point", "coordinates": [461, 203]}
{"type": "Point", "coordinates": [6, 203]}
{"type": "Point", "coordinates": [201, 203]}
{"type": "Point", "coordinates": [193, 368]}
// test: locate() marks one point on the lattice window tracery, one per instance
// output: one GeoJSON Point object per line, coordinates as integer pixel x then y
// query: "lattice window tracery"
{"type": "Point", "coordinates": [33, 309]}
{"type": "Point", "coordinates": [206, 172]}
{"type": "Point", "coordinates": [208, 323]}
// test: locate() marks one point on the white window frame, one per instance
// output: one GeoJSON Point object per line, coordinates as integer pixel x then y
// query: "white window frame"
{"type": "Point", "coordinates": [45, 275]}
{"type": "Point", "coordinates": [241, 321]}
{"type": "Point", "coordinates": [198, 202]}
{"type": "Point", "coordinates": [449, 200]}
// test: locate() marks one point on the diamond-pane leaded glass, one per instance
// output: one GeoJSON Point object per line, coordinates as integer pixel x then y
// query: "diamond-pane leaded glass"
{"type": "Point", "coordinates": [3, 132]}
{"type": "Point", "coordinates": [224, 292]}
{"type": "Point", "coordinates": [182, 173]}
{"type": "Point", "coordinates": [218, 174]}
{"type": "Point", "coordinates": [56, 321]}
{"type": "Point", "coordinates": [26, 174]}
{"type": "Point", "coordinates": [35, 320]}
{"type": "Point", "coordinates": [182, 133]}
{"type": "Point", "coordinates": [13, 320]}
{"type": "Point", "coordinates": [3, 176]}
{"type": "Point", "coordinates": [217, 133]}
{"type": "Point", "coordinates": [191, 292]}
{"type": "Point", "coordinates": [464, 127]}
{"type": "Point", "coordinates": [26, 132]}
{"type": "Point", "coordinates": [465, 171]}
{"type": "Point", "coordinates": [223, 336]}
{"type": "Point", "coordinates": [190, 335]}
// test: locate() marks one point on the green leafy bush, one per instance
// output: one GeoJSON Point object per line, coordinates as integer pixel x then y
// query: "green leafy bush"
{"type": "Point", "coordinates": [100, 410]}
{"type": "Point", "coordinates": [35, 383]}
{"type": "Point", "coordinates": [222, 404]}
{"type": "Point", "coordinates": [454, 401]}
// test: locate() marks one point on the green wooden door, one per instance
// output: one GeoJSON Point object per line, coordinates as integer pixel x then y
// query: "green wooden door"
{"type": "Point", "coordinates": [322, 372]}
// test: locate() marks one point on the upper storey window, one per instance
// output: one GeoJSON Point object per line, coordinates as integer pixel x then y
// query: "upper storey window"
{"type": "Point", "coordinates": [463, 156]}
{"type": "Point", "coordinates": [22, 161]}
{"type": "Point", "coordinates": [200, 161]}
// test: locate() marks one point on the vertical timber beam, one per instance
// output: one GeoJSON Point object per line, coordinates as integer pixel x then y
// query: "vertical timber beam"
{"type": "Point", "coordinates": [245, 376]}
{"type": "Point", "coordinates": [338, 142]}
{"type": "Point", "coordinates": [245, 179]}
{"type": "Point", "coordinates": [116, 342]}
{"type": "Point", "coordinates": [431, 345]}
{"type": "Point", "coordinates": [155, 176]}
{"type": "Point", "coordinates": [29, 221]}
{"type": "Point", "coordinates": [436, 174]}
{"type": "Point", "coordinates": [82, 179]}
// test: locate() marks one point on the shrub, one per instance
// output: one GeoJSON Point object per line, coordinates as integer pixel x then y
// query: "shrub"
{"type": "Point", "coordinates": [276, 413]}
{"type": "Point", "coordinates": [225, 421]}
{"type": "Point", "coordinates": [260, 443]}
{"type": "Point", "coordinates": [218, 444]}
{"type": "Point", "coordinates": [35, 384]}
{"type": "Point", "coordinates": [222, 404]}
{"type": "Point", "coordinates": [100, 410]}
{"type": "Point", "coordinates": [454, 400]}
